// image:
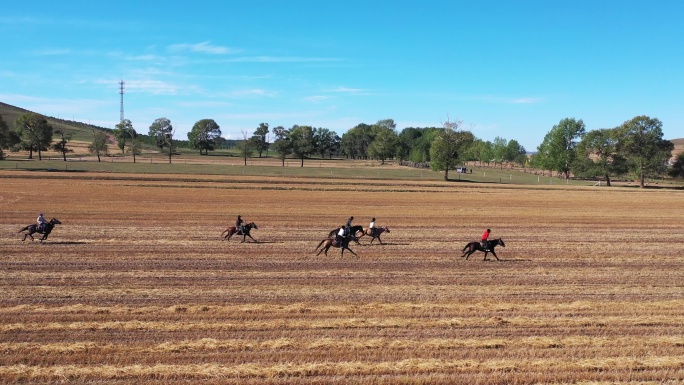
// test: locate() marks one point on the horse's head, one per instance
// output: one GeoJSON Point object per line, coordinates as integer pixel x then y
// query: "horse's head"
{"type": "Point", "coordinates": [386, 229]}
{"type": "Point", "coordinates": [501, 242]}
{"type": "Point", "coordinates": [253, 225]}
{"type": "Point", "coordinates": [55, 221]}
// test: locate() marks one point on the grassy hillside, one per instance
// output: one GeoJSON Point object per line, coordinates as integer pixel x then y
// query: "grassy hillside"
{"type": "Point", "coordinates": [79, 131]}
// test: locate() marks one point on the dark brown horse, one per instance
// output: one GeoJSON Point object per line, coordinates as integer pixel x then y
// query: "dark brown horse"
{"type": "Point", "coordinates": [378, 231]}
{"type": "Point", "coordinates": [229, 232]}
{"type": "Point", "coordinates": [354, 233]}
{"type": "Point", "coordinates": [46, 230]}
{"type": "Point", "coordinates": [477, 246]}
{"type": "Point", "coordinates": [327, 243]}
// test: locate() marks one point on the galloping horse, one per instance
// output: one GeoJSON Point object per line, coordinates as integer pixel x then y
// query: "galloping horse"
{"type": "Point", "coordinates": [32, 229]}
{"type": "Point", "coordinates": [229, 232]}
{"type": "Point", "coordinates": [354, 230]}
{"type": "Point", "coordinates": [378, 231]}
{"type": "Point", "coordinates": [476, 246]}
{"type": "Point", "coordinates": [327, 243]}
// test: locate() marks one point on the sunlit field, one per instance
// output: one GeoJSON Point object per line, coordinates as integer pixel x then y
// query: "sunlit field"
{"type": "Point", "coordinates": [136, 285]}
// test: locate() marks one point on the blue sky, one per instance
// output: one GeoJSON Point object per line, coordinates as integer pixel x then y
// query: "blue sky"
{"type": "Point", "coordinates": [511, 69]}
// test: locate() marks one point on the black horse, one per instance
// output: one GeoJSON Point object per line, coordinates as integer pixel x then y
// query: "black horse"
{"type": "Point", "coordinates": [45, 230]}
{"type": "Point", "coordinates": [353, 233]}
{"type": "Point", "coordinates": [477, 246]}
{"type": "Point", "coordinates": [327, 243]}
{"type": "Point", "coordinates": [229, 232]}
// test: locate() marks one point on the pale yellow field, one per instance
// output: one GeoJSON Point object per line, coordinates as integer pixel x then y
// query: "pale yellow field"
{"type": "Point", "coordinates": [136, 286]}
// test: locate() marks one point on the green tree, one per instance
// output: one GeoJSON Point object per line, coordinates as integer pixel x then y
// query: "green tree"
{"type": "Point", "coordinates": [499, 150]}
{"type": "Point", "coordinates": [599, 155]}
{"type": "Point", "coordinates": [162, 131]}
{"type": "Point", "coordinates": [35, 133]}
{"type": "Point", "coordinates": [246, 146]}
{"type": "Point", "coordinates": [99, 144]}
{"type": "Point", "coordinates": [516, 153]}
{"type": "Point", "coordinates": [122, 132]}
{"type": "Point", "coordinates": [61, 145]}
{"type": "Point", "coordinates": [302, 142]}
{"type": "Point", "coordinates": [641, 141]}
{"type": "Point", "coordinates": [326, 142]}
{"type": "Point", "coordinates": [135, 148]}
{"type": "Point", "coordinates": [260, 139]}
{"type": "Point", "coordinates": [446, 146]}
{"type": "Point", "coordinates": [8, 138]}
{"type": "Point", "coordinates": [385, 140]}
{"type": "Point", "coordinates": [204, 135]}
{"type": "Point", "coordinates": [677, 170]}
{"type": "Point", "coordinates": [558, 151]}
{"type": "Point", "coordinates": [355, 142]}
{"type": "Point", "coordinates": [282, 145]}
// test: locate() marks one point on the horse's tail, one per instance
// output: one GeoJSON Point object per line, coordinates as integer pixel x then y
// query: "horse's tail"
{"type": "Point", "coordinates": [319, 245]}
{"type": "Point", "coordinates": [466, 246]}
{"type": "Point", "coordinates": [24, 229]}
{"type": "Point", "coordinates": [223, 234]}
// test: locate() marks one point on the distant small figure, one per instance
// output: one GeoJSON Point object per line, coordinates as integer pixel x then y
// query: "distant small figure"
{"type": "Point", "coordinates": [485, 242]}
{"type": "Point", "coordinates": [41, 222]}
{"type": "Point", "coordinates": [239, 223]}
{"type": "Point", "coordinates": [372, 228]}
{"type": "Point", "coordinates": [341, 234]}
{"type": "Point", "coordinates": [348, 226]}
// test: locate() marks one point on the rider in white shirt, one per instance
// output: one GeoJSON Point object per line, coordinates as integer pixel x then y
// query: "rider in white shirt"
{"type": "Point", "coordinates": [372, 227]}
{"type": "Point", "coordinates": [340, 235]}
{"type": "Point", "coordinates": [41, 221]}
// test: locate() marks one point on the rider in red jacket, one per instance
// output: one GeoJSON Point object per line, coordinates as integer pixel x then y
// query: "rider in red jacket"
{"type": "Point", "coordinates": [485, 236]}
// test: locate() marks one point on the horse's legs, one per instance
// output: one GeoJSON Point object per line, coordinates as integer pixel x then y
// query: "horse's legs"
{"type": "Point", "coordinates": [253, 238]}
{"type": "Point", "coordinates": [494, 254]}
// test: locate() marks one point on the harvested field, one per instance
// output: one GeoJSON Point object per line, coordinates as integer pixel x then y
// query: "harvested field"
{"type": "Point", "coordinates": [135, 285]}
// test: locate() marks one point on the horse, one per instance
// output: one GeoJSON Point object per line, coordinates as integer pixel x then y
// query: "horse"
{"type": "Point", "coordinates": [32, 229]}
{"type": "Point", "coordinates": [229, 232]}
{"type": "Point", "coordinates": [354, 230]}
{"type": "Point", "coordinates": [327, 243]}
{"type": "Point", "coordinates": [378, 231]}
{"type": "Point", "coordinates": [477, 246]}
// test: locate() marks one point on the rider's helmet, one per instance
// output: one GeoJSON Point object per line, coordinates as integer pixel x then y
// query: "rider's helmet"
{"type": "Point", "coordinates": [239, 216]}
{"type": "Point", "coordinates": [489, 231]}
{"type": "Point", "coordinates": [41, 214]}
{"type": "Point", "coordinates": [373, 219]}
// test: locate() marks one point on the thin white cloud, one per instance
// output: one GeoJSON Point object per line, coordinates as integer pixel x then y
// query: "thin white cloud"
{"type": "Point", "coordinates": [52, 52]}
{"type": "Point", "coordinates": [495, 99]}
{"type": "Point", "coordinates": [155, 87]}
{"type": "Point", "coordinates": [316, 98]}
{"type": "Point", "coordinates": [203, 47]}
{"type": "Point", "coordinates": [253, 92]}
{"type": "Point", "coordinates": [526, 101]}
{"type": "Point", "coordinates": [279, 59]}
{"type": "Point", "coordinates": [205, 103]}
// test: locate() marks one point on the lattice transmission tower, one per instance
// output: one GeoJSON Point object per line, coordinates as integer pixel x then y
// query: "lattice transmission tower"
{"type": "Point", "coordinates": [121, 91]}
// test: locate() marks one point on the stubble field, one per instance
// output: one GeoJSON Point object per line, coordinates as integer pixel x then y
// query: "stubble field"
{"type": "Point", "coordinates": [136, 286]}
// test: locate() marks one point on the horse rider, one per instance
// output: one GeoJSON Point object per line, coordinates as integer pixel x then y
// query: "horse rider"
{"type": "Point", "coordinates": [240, 224]}
{"type": "Point", "coordinates": [348, 226]}
{"type": "Point", "coordinates": [41, 222]}
{"type": "Point", "coordinates": [372, 228]}
{"type": "Point", "coordinates": [340, 235]}
{"type": "Point", "coordinates": [485, 237]}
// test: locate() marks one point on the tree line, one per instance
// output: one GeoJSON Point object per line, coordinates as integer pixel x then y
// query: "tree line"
{"type": "Point", "coordinates": [636, 147]}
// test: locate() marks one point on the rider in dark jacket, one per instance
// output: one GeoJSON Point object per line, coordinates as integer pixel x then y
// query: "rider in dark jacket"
{"type": "Point", "coordinates": [348, 226]}
{"type": "Point", "coordinates": [239, 224]}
